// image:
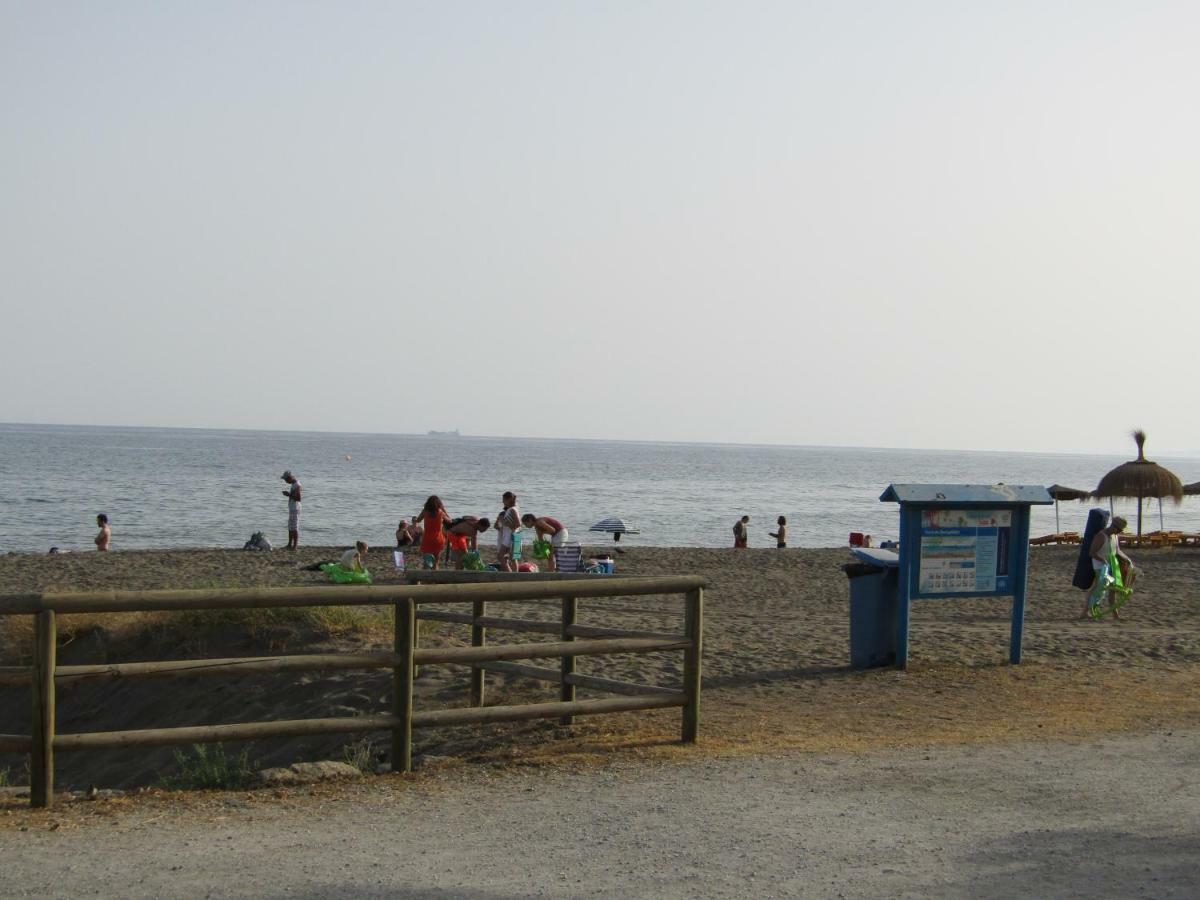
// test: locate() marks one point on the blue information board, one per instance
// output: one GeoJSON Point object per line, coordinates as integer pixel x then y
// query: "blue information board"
{"type": "Point", "coordinates": [963, 541]}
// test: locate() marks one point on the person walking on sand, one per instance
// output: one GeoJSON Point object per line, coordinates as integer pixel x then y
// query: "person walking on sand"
{"type": "Point", "coordinates": [1106, 545]}
{"type": "Point", "coordinates": [432, 519]}
{"type": "Point", "coordinates": [293, 498]}
{"type": "Point", "coordinates": [741, 533]}
{"type": "Point", "coordinates": [780, 535]}
{"type": "Point", "coordinates": [549, 529]}
{"type": "Point", "coordinates": [105, 533]}
{"type": "Point", "coordinates": [463, 535]}
{"type": "Point", "coordinates": [508, 523]}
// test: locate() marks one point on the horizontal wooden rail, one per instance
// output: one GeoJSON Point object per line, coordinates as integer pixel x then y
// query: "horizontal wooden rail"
{"type": "Point", "coordinates": [15, 743]}
{"type": "Point", "coordinates": [537, 626]}
{"type": "Point", "coordinates": [491, 652]}
{"type": "Point", "coordinates": [477, 715]}
{"type": "Point", "coordinates": [545, 673]}
{"type": "Point", "coordinates": [336, 595]}
{"type": "Point", "coordinates": [185, 668]}
{"type": "Point", "coordinates": [209, 734]}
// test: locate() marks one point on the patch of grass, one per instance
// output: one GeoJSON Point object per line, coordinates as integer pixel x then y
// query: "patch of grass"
{"type": "Point", "coordinates": [363, 754]}
{"type": "Point", "coordinates": [209, 767]}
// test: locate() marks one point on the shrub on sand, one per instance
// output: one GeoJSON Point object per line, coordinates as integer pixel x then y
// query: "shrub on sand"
{"type": "Point", "coordinates": [209, 767]}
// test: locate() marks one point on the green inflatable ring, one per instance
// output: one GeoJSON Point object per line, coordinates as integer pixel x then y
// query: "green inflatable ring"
{"type": "Point", "coordinates": [341, 575]}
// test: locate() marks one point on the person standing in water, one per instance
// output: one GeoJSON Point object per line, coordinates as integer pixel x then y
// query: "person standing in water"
{"type": "Point", "coordinates": [780, 535]}
{"type": "Point", "coordinates": [105, 533]}
{"type": "Point", "coordinates": [293, 498]}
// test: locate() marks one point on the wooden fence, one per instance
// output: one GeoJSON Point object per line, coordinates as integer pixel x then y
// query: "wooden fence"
{"type": "Point", "coordinates": [574, 640]}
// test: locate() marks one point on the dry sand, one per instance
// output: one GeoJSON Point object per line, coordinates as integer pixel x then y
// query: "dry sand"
{"type": "Point", "coordinates": [775, 664]}
{"type": "Point", "coordinates": [1067, 775]}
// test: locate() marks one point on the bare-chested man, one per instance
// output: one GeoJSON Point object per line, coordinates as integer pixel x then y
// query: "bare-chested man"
{"type": "Point", "coordinates": [105, 534]}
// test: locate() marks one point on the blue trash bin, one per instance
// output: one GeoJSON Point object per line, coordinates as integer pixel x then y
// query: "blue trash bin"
{"type": "Point", "coordinates": [873, 608]}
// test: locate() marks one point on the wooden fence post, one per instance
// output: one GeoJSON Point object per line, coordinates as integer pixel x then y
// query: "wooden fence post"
{"type": "Point", "coordinates": [693, 627]}
{"type": "Point", "coordinates": [478, 639]}
{"type": "Point", "coordinates": [570, 608]}
{"type": "Point", "coordinates": [41, 763]}
{"type": "Point", "coordinates": [402, 684]}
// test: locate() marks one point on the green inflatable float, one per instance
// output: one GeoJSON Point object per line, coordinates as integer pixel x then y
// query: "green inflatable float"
{"type": "Point", "coordinates": [1111, 585]}
{"type": "Point", "coordinates": [342, 575]}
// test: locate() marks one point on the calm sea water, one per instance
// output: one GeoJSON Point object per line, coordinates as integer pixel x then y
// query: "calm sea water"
{"type": "Point", "coordinates": [201, 488]}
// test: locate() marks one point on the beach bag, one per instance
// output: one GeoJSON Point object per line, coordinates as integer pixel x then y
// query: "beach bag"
{"type": "Point", "coordinates": [541, 549]}
{"type": "Point", "coordinates": [340, 575]}
{"type": "Point", "coordinates": [472, 561]}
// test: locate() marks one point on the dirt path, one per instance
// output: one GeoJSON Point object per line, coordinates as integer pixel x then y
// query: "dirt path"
{"type": "Point", "coordinates": [1111, 817]}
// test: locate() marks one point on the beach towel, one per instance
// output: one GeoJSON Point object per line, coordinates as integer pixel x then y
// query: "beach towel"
{"type": "Point", "coordinates": [1097, 521]}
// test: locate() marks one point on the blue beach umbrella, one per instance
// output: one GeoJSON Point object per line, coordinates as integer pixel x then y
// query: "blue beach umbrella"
{"type": "Point", "coordinates": [614, 526]}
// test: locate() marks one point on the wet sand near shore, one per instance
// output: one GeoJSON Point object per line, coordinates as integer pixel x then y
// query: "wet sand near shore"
{"type": "Point", "coordinates": [776, 674]}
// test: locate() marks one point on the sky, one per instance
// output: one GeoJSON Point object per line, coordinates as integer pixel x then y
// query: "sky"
{"type": "Point", "coordinates": [923, 224]}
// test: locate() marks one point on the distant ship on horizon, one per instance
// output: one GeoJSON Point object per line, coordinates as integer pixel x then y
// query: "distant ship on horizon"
{"type": "Point", "coordinates": [453, 433]}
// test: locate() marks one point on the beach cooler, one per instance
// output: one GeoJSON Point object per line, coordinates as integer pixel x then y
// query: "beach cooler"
{"type": "Point", "coordinates": [873, 605]}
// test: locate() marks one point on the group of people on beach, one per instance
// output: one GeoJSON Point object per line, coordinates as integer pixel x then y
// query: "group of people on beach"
{"type": "Point", "coordinates": [741, 533]}
{"type": "Point", "coordinates": [445, 538]}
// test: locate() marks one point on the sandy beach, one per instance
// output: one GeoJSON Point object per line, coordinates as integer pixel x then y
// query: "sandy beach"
{"type": "Point", "coordinates": [776, 669]}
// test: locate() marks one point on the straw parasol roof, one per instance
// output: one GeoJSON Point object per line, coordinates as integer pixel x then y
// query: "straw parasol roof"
{"type": "Point", "coordinates": [1059, 492]}
{"type": "Point", "coordinates": [1193, 488]}
{"type": "Point", "coordinates": [1140, 478]}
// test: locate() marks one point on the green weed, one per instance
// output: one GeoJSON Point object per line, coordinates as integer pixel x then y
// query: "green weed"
{"type": "Point", "coordinates": [209, 767]}
{"type": "Point", "coordinates": [363, 754]}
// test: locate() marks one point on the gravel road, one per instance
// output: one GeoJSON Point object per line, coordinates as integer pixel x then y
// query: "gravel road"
{"type": "Point", "coordinates": [1112, 817]}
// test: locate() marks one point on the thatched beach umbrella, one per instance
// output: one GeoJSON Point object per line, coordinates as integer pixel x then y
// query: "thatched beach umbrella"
{"type": "Point", "coordinates": [1058, 492]}
{"type": "Point", "coordinates": [1141, 478]}
{"type": "Point", "coordinates": [1192, 489]}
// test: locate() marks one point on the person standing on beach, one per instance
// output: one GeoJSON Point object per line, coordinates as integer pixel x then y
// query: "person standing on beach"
{"type": "Point", "coordinates": [780, 535]}
{"type": "Point", "coordinates": [507, 524]}
{"type": "Point", "coordinates": [741, 533]}
{"type": "Point", "coordinates": [547, 528]}
{"type": "Point", "coordinates": [105, 534]}
{"type": "Point", "coordinates": [293, 495]}
{"type": "Point", "coordinates": [432, 519]}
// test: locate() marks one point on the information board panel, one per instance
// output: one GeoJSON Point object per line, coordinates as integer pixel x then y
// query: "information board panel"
{"type": "Point", "coordinates": [965, 551]}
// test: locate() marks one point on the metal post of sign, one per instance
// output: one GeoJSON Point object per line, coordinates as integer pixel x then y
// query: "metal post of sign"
{"type": "Point", "coordinates": [1020, 573]}
{"type": "Point", "coordinates": [908, 534]}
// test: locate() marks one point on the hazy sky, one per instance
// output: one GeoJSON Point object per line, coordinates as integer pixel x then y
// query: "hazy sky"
{"type": "Point", "coordinates": [960, 225]}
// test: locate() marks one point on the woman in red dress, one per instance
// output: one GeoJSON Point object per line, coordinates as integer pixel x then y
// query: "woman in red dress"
{"type": "Point", "coordinates": [433, 518]}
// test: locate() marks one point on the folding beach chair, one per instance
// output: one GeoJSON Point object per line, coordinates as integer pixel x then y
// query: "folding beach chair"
{"type": "Point", "coordinates": [569, 558]}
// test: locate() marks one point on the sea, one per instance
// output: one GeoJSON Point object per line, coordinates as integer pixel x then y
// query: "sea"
{"type": "Point", "coordinates": [174, 488]}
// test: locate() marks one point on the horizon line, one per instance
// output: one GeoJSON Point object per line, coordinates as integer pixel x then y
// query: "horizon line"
{"type": "Point", "coordinates": [1180, 454]}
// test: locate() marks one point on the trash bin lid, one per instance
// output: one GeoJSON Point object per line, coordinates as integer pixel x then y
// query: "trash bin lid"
{"type": "Point", "coordinates": [876, 557]}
